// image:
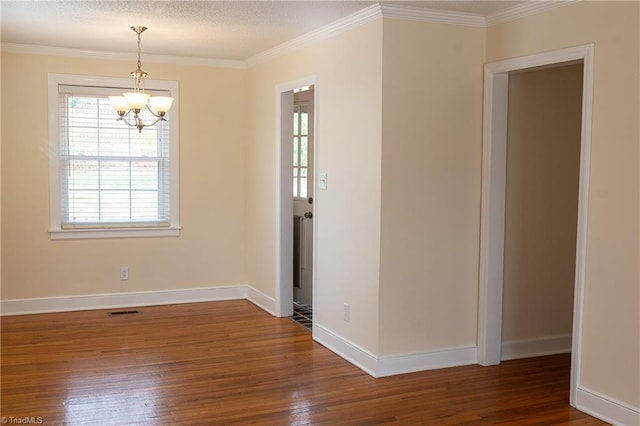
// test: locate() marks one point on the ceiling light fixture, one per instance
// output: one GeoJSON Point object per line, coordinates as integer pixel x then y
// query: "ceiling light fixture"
{"type": "Point", "coordinates": [138, 100]}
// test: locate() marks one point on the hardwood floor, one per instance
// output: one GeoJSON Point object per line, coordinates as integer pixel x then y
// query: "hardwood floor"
{"type": "Point", "coordinates": [231, 363]}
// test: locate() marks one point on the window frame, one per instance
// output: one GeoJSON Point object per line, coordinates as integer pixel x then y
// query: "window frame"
{"type": "Point", "coordinates": [297, 177]}
{"type": "Point", "coordinates": [56, 231]}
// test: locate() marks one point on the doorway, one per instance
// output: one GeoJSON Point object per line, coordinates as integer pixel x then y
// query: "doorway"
{"type": "Point", "coordinates": [303, 173]}
{"type": "Point", "coordinates": [541, 199]}
{"type": "Point", "coordinates": [492, 227]}
{"type": "Point", "coordinates": [295, 254]}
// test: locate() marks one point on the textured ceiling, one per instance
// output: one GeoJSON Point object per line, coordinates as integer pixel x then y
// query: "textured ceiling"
{"type": "Point", "coordinates": [233, 30]}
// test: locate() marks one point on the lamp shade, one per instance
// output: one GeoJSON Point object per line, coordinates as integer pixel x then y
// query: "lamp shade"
{"type": "Point", "coordinates": [119, 103]}
{"type": "Point", "coordinates": [136, 100]}
{"type": "Point", "coordinates": [160, 103]}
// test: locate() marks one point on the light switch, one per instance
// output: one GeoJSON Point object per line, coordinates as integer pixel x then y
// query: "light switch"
{"type": "Point", "coordinates": [323, 181]}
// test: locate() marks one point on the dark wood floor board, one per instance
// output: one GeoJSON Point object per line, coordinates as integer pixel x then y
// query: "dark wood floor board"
{"type": "Point", "coordinates": [231, 363]}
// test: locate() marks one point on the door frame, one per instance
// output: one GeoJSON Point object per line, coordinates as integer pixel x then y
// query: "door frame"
{"type": "Point", "coordinates": [284, 183]}
{"type": "Point", "coordinates": [494, 149]}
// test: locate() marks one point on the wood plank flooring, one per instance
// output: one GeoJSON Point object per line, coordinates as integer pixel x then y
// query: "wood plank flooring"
{"type": "Point", "coordinates": [231, 363]}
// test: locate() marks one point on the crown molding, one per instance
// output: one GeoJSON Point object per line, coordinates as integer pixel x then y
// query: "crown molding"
{"type": "Point", "coordinates": [361, 17]}
{"type": "Point", "coordinates": [525, 9]}
{"type": "Point", "coordinates": [117, 56]}
{"type": "Point", "coordinates": [368, 14]}
{"type": "Point", "coordinates": [412, 13]}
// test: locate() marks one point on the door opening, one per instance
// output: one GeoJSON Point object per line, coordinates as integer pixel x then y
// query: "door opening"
{"type": "Point", "coordinates": [302, 166]}
{"type": "Point", "coordinates": [541, 201]}
{"type": "Point", "coordinates": [492, 227]}
{"type": "Point", "coordinates": [296, 147]}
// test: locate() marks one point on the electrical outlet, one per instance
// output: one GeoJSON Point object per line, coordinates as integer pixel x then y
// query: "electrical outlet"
{"type": "Point", "coordinates": [124, 273]}
{"type": "Point", "coordinates": [346, 312]}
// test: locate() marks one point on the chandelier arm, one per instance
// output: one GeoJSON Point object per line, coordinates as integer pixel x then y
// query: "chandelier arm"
{"type": "Point", "coordinates": [159, 115]}
{"type": "Point", "coordinates": [155, 122]}
{"type": "Point", "coordinates": [124, 114]}
{"type": "Point", "coordinates": [125, 121]}
{"type": "Point", "coordinates": [138, 121]}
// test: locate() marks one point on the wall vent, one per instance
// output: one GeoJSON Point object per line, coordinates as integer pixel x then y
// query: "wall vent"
{"type": "Point", "coordinates": [116, 313]}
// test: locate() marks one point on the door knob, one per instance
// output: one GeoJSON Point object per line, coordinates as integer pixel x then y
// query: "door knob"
{"type": "Point", "coordinates": [308, 215]}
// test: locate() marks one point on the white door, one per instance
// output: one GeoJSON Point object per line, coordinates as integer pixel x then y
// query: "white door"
{"type": "Point", "coordinates": [303, 195]}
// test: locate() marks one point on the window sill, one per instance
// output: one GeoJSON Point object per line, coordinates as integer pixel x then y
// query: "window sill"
{"type": "Point", "coordinates": [98, 233]}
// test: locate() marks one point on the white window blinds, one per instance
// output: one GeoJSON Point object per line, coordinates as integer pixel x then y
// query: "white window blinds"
{"type": "Point", "coordinates": [110, 174]}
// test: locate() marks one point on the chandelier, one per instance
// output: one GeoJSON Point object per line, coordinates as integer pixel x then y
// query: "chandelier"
{"type": "Point", "coordinates": [137, 101]}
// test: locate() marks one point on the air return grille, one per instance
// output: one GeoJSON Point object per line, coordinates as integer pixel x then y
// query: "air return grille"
{"type": "Point", "coordinates": [117, 313]}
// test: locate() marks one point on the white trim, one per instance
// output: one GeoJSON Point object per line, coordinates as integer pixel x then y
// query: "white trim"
{"type": "Point", "coordinates": [284, 209]}
{"type": "Point", "coordinates": [40, 305]}
{"type": "Point", "coordinates": [525, 9]}
{"type": "Point", "coordinates": [412, 13]}
{"type": "Point", "coordinates": [491, 230]}
{"type": "Point", "coordinates": [543, 59]}
{"type": "Point", "coordinates": [606, 408]}
{"type": "Point", "coordinates": [393, 364]}
{"type": "Point", "coordinates": [537, 346]}
{"type": "Point", "coordinates": [352, 352]}
{"type": "Point", "coordinates": [364, 16]}
{"type": "Point", "coordinates": [349, 22]}
{"type": "Point", "coordinates": [258, 298]}
{"type": "Point", "coordinates": [32, 49]}
{"type": "Point", "coordinates": [430, 360]}
{"type": "Point", "coordinates": [310, 80]}
{"type": "Point", "coordinates": [582, 218]}
{"type": "Point", "coordinates": [80, 234]}
{"type": "Point", "coordinates": [492, 218]}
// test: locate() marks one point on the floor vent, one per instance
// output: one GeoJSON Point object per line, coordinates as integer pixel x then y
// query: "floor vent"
{"type": "Point", "coordinates": [115, 313]}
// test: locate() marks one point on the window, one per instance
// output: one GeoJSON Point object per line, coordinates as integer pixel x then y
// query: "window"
{"type": "Point", "coordinates": [107, 179]}
{"type": "Point", "coordinates": [300, 151]}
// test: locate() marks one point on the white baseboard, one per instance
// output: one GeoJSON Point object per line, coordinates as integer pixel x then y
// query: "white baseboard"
{"type": "Point", "coordinates": [355, 354]}
{"type": "Point", "coordinates": [430, 360]}
{"type": "Point", "coordinates": [42, 305]}
{"type": "Point", "coordinates": [394, 364]}
{"type": "Point", "coordinates": [539, 346]}
{"type": "Point", "coordinates": [606, 408]}
{"type": "Point", "coordinates": [261, 300]}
